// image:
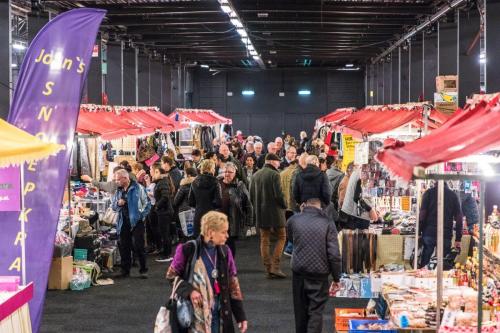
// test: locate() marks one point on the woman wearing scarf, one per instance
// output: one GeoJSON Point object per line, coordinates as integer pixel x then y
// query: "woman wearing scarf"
{"type": "Point", "coordinates": [215, 291]}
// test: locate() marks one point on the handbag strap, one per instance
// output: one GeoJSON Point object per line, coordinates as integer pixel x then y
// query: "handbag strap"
{"type": "Point", "coordinates": [193, 260]}
{"type": "Point", "coordinates": [177, 283]}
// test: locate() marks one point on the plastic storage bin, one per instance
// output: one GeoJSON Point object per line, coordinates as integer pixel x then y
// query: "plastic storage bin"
{"type": "Point", "coordinates": [354, 324]}
{"type": "Point", "coordinates": [342, 320]}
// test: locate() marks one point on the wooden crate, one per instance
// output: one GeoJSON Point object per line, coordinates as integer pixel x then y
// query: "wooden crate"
{"type": "Point", "coordinates": [447, 83]}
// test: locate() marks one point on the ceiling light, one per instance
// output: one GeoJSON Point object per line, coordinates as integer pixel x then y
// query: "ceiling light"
{"type": "Point", "coordinates": [248, 92]}
{"type": "Point", "coordinates": [242, 32]}
{"type": "Point", "coordinates": [244, 40]}
{"type": "Point", "coordinates": [223, 1]}
{"type": "Point", "coordinates": [250, 47]}
{"type": "Point", "coordinates": [348, 69]}
{"type": "Point", "coordinates": [13, 65]}
{"type": "Point", "coordinates": [237, 23]}
{"type": "Point", "coordinates": [262, 15]}
{"type": "Point", "coordinates": [269, 62]}
{"type": "Point", "coordinates": [233, 15]}
{"type": "Point", "coordinates": [204, 66]}
{"type": "Point", "coordinates": [256, 57]}
{"type": "Point", "coordinates": [226, 9]}
{"type": "Point", "coordinates": [253, 52]}
{"type": "Point", "coordinates": [304, 92]}
{"type": "Point", "coordinates": [18, 46]}
{"type": "Point", "coordinates": [349, 65]}
{"type": "Point", "coordinates": [482, 58]}
{"type": "Point", "coordinates": [272, 52]}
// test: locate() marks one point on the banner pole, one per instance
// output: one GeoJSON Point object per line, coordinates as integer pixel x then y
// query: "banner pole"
{"type": "Point", "coordinates": [23, 233]}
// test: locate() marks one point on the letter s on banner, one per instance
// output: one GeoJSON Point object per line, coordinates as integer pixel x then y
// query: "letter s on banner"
{"type": "Point", "coordinates": [72, 34]}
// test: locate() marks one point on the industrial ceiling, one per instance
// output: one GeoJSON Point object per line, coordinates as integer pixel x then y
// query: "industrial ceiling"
{"type": "Point", "coordinates": [275, 33]}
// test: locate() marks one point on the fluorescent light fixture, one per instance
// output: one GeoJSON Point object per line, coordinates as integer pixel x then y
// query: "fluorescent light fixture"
{"type": "Point", "coordinates": [349, 65]}
{"type": "Point", "coordinates": [487, 169]}
{"type": "Point", "coordinates": [248, 92]}
{"type": "Point", "coordinates": [229, 93]}
{"type": "Point", "coordinates": [242, 32]}
{"type": "Point", "coordinates": [13, 65]}
{"type": "Point", "coordinates": [282, 94]}
{"type": "Point", "coordinates": [256, 57]}
{"type": "Point", "coordinates": [482, 58]}
{"type": "Point", "coordinates": [237, 23]}
{"type": "Point", "coordinates": [348, 69]}
{"type": "Point", "coordinates": [204, 66]}
{"type": "Point", "coordinates": [253, 52]}
{"type": "Point", "coordinates": [18, 46]}
{"type": "Point", "coordinates": [304, 92]}
{"type": "Point", "coordinates": [226, 9]}
{"type": "Point", "coordinates": [262, 15]}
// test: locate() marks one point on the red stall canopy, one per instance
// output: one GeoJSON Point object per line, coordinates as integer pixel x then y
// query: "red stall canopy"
{"type": "Point", "coordinates": [472, 130]}
{"type": "Point", "coordinates": [199, 116]}
{"type": "Point", "coordinates": [336, 116]}
{"type": "Point", "coordinates": [381, 119]}
{"type": "Point", "coordinates": [113, 122]}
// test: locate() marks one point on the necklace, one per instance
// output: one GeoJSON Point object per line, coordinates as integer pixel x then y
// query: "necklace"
{"type": "Point", "coordinates": [214, 273]}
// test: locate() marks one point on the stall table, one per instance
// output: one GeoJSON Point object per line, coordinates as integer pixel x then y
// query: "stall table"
{"type": "Point", "coordinates": [14, 310]}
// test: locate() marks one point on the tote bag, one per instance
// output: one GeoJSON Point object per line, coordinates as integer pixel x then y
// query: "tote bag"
{"type": "Point", "coordinates": [186, 219]}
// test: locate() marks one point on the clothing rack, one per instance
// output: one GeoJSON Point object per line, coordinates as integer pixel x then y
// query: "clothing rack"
{"type": "Point", "coordinates": [359, 251]}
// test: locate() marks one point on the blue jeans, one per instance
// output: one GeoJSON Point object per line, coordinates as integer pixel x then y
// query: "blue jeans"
{"type": "Point", "coordinates": [430, 243]}
{"type": "Point", "coordinates": [289, 247]}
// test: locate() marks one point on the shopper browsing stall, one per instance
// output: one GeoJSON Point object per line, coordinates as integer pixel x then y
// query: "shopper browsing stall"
{"type": "Point", "coordinates": [132, 204]}
{"type": "Point", "coordinates": [428, 222]}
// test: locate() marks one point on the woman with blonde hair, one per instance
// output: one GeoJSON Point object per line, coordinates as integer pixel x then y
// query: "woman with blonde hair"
{"type": "Point", "coordinates": [205, 194]}
{"type": "Point", "coordinates": [215, 291]}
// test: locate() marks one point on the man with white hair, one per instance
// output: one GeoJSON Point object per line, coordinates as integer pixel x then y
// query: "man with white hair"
{"type": "Point", "coordinates": [311, 183]}
{"type": "Point", "coordinates": [271, 149]}
{"type": "Point", "coordinates": [131, 202]}
{"type": "Point", "coordinates": [278, 143]}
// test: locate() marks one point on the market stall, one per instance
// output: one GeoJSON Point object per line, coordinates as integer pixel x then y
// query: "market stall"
{"type": "Point", "coordinates": [202, 127]}
{"type": "Point", "coordinates": [475, 305]}
{"type": "Point", "coordinates": [17, 148]}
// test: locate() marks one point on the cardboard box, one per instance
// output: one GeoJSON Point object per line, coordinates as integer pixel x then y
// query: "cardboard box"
{"type": "Point", "coordinates": [61, 273]}
{"type": "Point", "coordinates": [446, 107]}
{"type": "Point", "coordinates": [447, 83]}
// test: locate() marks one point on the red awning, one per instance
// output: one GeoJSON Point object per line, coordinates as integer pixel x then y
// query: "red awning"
{"type": "Point", "coordinates": [199, 116]}
{"type": "Point", "coordinates": [336, 116]}
{"type": "Point", "coordinates": [468, 132]}
{"type": "Point", "coordinates": [388, 118]}
{"type": "Point", "coordinates": [113, 122]}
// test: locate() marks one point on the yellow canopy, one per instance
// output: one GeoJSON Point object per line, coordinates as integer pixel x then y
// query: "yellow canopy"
{"type": "Point", "coordinates": [17, 146]}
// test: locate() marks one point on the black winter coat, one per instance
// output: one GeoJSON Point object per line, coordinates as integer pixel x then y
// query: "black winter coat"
{"type": "Point", "coordinates": [311, 183]}
{"type": "Point", "coordinates": [205, 195]}
{"type": "Point", "coordinates": [163, 197]}
{"type": "Point", "coordinates": [181, 202]}
{"type": "Point", "coordinates": [240, 212]}
{"type": "Point", "coordinates": [176, 176]}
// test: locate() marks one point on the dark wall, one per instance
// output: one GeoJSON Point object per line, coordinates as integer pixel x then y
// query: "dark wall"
{"type": "Point", "coordinates": [430, 66]}
{"type": "Point", "coordinates": [4, 60]}
{"type": "Point", "coordinates": [143, 80]}
{"type": "Point", "coordinates": [448, 49]}
{"type": "Point", "coordinates": [404, 75]}
{"type": "Point", "coordinates": [395, 77]}
{"type": "Point", "coordinates": [94, 78]}
{"type": "Point", "coordinates": [416, 72]}
{"type": "Point", "coordinates": [469, 62]}
{"type": "Point", "coordinates": [266, 113]}
{"type": "Point", "coordinates": [129, 77]}
{"type": "Point", "coordinates": [114, 76]}
{"type": "Point", "coordinates": [493, 46]}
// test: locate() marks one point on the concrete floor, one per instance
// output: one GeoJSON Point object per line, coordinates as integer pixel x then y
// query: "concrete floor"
{"type": "Point", "coordinates": [131, 305]}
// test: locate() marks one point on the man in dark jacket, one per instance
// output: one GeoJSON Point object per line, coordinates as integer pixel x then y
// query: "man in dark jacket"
{"type": "Point", "coordinates": [311, 183]}
{"type": "Point", "coordinates": [164, 210]}
{"type": "Point", "coordinates": [226, 156]}
{"type": "Point", "coordinates": [269, 211]}
{"type": "Point", "coordinates": [315, 256]}
{"type": "Point", "coordinates": [173, 171]}
{"type": "Point", "coordinates": [428, 222]}
{"type": "Point", "coordinates": [291, 155]}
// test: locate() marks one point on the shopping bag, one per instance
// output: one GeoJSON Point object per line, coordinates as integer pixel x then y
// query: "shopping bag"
{"type": "Point", "coordinates": [110, 217]}
{"type": "Point", "coordinates": [162, 323]}
{"type": "Point", "coordinates": [186, 219]}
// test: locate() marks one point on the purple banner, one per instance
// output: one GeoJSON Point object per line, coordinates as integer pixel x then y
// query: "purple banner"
{"type": "Point", "coordinates": [10, 189]}
{"type": "Point", "coordinates": [46, 104]}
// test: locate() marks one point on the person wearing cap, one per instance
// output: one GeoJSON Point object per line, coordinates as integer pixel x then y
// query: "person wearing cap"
{"type": "Point", "coordinates": [269, 211]}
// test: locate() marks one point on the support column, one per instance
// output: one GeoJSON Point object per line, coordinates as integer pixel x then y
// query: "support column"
{"type": "Point", "coordinates": [5, 59]}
